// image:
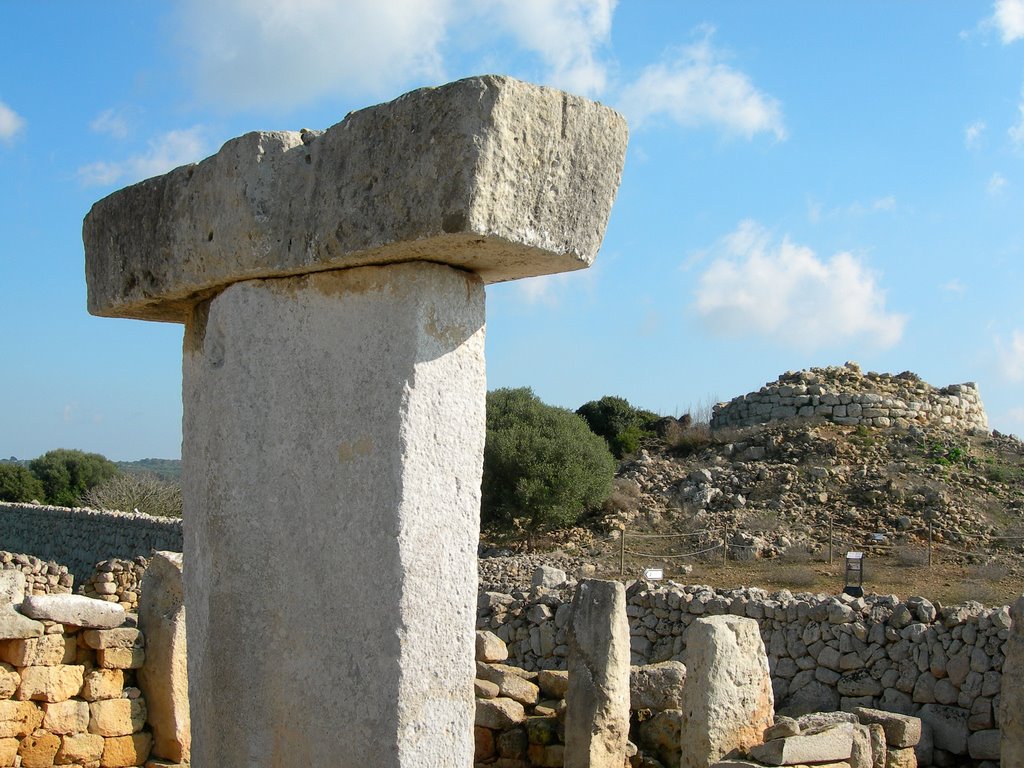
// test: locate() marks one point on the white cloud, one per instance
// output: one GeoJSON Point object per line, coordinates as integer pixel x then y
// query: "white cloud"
{"type": "Point", "coordinates": [111, 122]}
{"type": "Point", "coordinates": [996, 183]}
{"type": "Point", "coordinates": [972, 134]}
{"type": "Point", "coordinates": [783, 291]}
{"type": "Point", "coordinates": [566, 34]}
{"type": "Point", "coordinates": [955, 286]}
{"type": "Point", "coordinates": [265, 53]}
{"type": "Point", "coordinates": [1008, 17]}
{"type": "Point", "coordinates": [11, 123]}
{"type": "Point", "coordinates": [165, 152]}
{"type": "Point", "coordinates": [1011, 356]}
{"type": "Point", "coordinates": [1016, 131]}
{"type": "Point", "coordinates": [816, 210]}
{"type": "Point", "coordinates": [696, 88]}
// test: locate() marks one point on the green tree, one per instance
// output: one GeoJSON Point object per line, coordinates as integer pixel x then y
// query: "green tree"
{"type": "Point", "coordinates": [543, 467]}
{"type": "Point", "coordinates": [67, 474]}
{"type": "Point", "coordinates": [618, 422]}
{"type": "Point", "coordinates": [142, 491]}
{"type": "Point", "coordinates": [17, 483]}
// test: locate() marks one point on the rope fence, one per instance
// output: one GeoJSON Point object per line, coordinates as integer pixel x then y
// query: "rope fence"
{"type": "Point", "coordinates": [838, 535]}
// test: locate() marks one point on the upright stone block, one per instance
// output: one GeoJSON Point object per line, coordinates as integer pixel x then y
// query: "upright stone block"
{"type": "Point", "coordinates": [597, 701]}
{"type": "Point", "coordinates": [727, 699]}
{"type": "Point", "coordinates": [332, 290]}
{"type": "Point", "coordinates": [1011, 714]}
{"type": "Point", "coordinates": [163, 676]}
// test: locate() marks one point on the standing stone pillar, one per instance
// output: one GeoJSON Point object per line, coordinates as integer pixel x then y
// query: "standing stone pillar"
{"type": "Point", "coordinates": [1011, 717]}
{"type": "Point", "coordinates": [597, 701]}
{"type": "Point", "coordinates": [332, 289]}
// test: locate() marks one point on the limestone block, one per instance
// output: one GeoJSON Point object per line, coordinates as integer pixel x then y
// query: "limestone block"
{"type": "Point", "coordinates": [900, 730]}
{"type": "Point", "coordinates": [547, 576]}
{"type": "Point", "coordinates": [120, 658]}
{"type": "Point", "coordinates": [499, 714]}
{"type": "Point", "coordinates": [126, 751]}
{"type": "Point", "coordinates": [117, 717]}
{"type": "Point", "coordinates": [78, 610]}
{"type": "Point", "coordinates": [553, 683]}
{"type": "Point", "coordinates": [14, 624]}
{"type": "Point", "coordinates": [833, 743]}
{"type": "Point", "coordinates": [879, 747]}
{"type": "Point", "coordinates": [488, 174]}
{"type": "Point", "coordinates": [483, 743]}
{"type": "Point", "coordinates": [50, 683]}
{"type": "Point", "coordinates": [163, 676]}
{"type": "Point", "coordinates": [8, 751]}
{"type": "Point", "coordinates": [984, 745]}
{"type": "Point", "coordinates": [485, 689]}
{"type": "Point", "coordinates": [597, 700]}
{"type": "Point", "coordinates": [64, 717]}
{"type": "Point", "coordinates": [103, 684]}
{"type": "Point", "coordinates": [19, 718]}
{"type": "Point", "coordinates": [79, 748]}
{"type": "Point", "coordinates": [39, 749]}
{"type": "Point", "coordinates": [1011, 714]}
{"type": "Point", "coordinates": [901, 758]}
{"type": "Point", "coordinates": [9, 681]}
{"type": "Point", "coordinates": [119, 637]}
{"type": "Point", "coordinates": [657, 686]}
{"type": "Point", "coordinates": [727, 700]}
{"type": "Point", "coordinates": [510, 683]}
{"type": "Point", "coordinates": [48, 650]}
{"type": "Point", "coordinates": [490, 647]}
{"type": "Point", "coordinates": [12, 587]}
{"type": "Point", "coordinates": [862, 753]}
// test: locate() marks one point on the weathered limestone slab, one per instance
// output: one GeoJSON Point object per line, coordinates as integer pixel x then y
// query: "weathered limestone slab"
{"type": "Point", "coordinates": [900, 730]}
{"type": "Point", "coordinates": [489, 174]}
{"type": "Point", "coordinates": [833, 743]}
{"type": "Point", "coordinates": [47, 650]}
{"type": "Point", "coordinates": [1011, 713]}
{"type": "Point", "coordinates": [490, 647]}
{"type": "Point", "coordinates": [79, 610]}
{"type": "Point", "coordinates": [12, 592]}
{"type": "Point", "coordinates": [332, 290]}
{"type": "Point", "coordinates": [727, 699]}
{"type": "Point", "coordinates": [163, 676]}
{"type": "Point", "coordinates": [50, 684]}
{"type": "Point", "coordinates": [657, 686]}
{"type": "Point", "coordinates": [597, 700]}
{"type": "Point", "coordinates": [120, 637]}
{"type": "Point", "coordinates": [63, 717]}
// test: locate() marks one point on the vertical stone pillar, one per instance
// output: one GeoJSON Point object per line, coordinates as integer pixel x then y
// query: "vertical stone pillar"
{"type": "Point", "coordinates": [1011, 716]}
{"type": "Point", "coordinates": [597, 701]}
{"type": "Point", "coordinates": [349, 405]}
{"type": "Point", "coordinates": [332, 288]}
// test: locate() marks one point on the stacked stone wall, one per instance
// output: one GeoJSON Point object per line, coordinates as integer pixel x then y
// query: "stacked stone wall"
{"type": "Point", "coordinates": [844, 395]}
{"type": "Point", "coordinates": [80, 538]}
{"type": "Point", "coordinates": [42, 577]}
{"type": "Point", "coordinates": [69, 697]}
{"type": "Point", "coordinates": [943, 665]}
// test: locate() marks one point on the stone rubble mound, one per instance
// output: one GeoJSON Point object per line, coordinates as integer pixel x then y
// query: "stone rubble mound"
{"type": "Point", "coordinates": [117, 580]}
{"type": "Point", "coordinates": [42, 577]}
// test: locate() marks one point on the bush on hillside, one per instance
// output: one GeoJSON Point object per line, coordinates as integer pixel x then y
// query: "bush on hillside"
{"type": "Point", "coordinates": [17, 483]}
{"type": "Point", "coordinates": [543, 467]}
{"type": "Point", "coordinates": [618, 422]}
{"type": "Point", "coordinates": [66, 475]}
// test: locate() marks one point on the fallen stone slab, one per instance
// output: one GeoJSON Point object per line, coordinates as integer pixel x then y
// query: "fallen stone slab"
{"type": "Point", "coordinates": [78, 610]}
{"type": "Point", "coordinates": [900, 730]}
{"type": "Point", "coordinates": [831, 744]}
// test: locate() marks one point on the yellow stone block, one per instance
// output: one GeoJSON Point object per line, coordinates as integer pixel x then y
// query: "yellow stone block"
{"type": "Point", "coordinates": [80, 748]}
{"type": "Point", "coordinates": [117, 717]}
{"type": "Point", "coordinates": [39, 749]}
{"type": "Point", "coordinates": [126, 751]}
{"type": "Point", "coordinates": [51, 684]}
{"type": "Point", "coordinates": [19, 718]}
{"type": "Point", "coordinates": [120, 658]}
{"type": "Point", "coordinates": [8, 751]}
{"type": "Point", "coordinates": [103, 684]}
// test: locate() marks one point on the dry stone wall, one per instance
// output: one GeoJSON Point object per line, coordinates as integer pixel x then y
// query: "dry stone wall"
{"type": "Point", "coordinates": [80, 538]}
{"type": "Point", "coordinates": [845, 395]}
{"type": "Point", "coordinates": [42, 577]}
{"type": "Point", "coordinates": [825, 653]}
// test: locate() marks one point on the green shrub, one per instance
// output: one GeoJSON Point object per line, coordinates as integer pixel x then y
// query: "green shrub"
{"type": "Point", "coordinates": [618, 422]}
{"type": "Point", "coordinates": [67, 474]}
{"type": "Point", "coordinates": [543, 467]}
{"type": "Point", "coordinates": [17, 483]}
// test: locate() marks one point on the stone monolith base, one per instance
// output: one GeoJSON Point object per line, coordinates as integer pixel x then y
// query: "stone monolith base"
{"type": "Point", "coordinates": [333, 441]}
{"type": "Point", "coordinates": [597, 701]}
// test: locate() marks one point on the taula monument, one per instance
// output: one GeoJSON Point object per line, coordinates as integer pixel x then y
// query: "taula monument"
{"type": "Point", "coordinates": [331, 285]}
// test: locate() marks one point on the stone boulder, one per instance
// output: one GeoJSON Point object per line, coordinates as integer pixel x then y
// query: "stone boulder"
{"type": "Point", "coordinates": [74, 609]}
{"type": "Point", "coordinates": [833, 743]}
{"type": "Point", "coordinates": [657, 686]}
{"type": "Point", "coordinates": [14, 625]}
{"type": "Point", "coordinates": [727, 699]}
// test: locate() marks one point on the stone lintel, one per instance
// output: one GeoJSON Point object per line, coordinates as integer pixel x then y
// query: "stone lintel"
{"type": "Point", "coordinates": [488, 174]}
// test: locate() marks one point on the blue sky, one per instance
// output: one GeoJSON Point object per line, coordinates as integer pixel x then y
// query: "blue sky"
{"type": "Point", "coordinates": [806, 183]}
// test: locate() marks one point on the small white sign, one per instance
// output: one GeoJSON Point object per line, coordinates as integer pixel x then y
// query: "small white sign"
{"type": "Point", "coordinates": [654, 574]}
